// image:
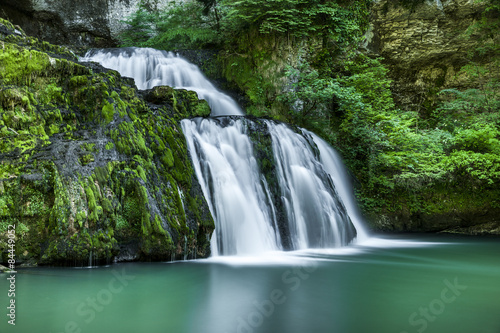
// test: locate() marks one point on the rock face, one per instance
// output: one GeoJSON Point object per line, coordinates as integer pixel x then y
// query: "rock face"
{"type": "Point", "coordinates": [422, 45]}
{"type": "Point", "coordinates": [79, 23]}
{"type": "Point", "coordinates": [92, 170]}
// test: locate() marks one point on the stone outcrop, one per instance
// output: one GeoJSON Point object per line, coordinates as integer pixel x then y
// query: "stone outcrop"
{"type": "Point", "coordinates": [94, 23]}
{"type": "Point", "coordinates": [422, 43]}
{"type": "Point", "coordinates": [91, 169]}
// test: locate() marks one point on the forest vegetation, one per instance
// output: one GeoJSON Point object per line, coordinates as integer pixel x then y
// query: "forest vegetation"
{"type": "Point", "coordinates": [300, 61]}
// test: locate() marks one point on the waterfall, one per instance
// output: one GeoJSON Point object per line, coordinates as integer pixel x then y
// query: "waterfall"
{"type": "Point", "coordinates": [150, 68]}
{"type": "Point", "coordinates": [332, 162]}
{"type": "Point", "coordinates": [316, 215]}
{"type": "Point", "coordinates": [302, 200]}
{"type": "Point", "coordinates": [229, 176]}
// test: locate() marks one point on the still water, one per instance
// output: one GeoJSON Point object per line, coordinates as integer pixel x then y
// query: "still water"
{"type": "Point", "coordinates": [430, 284]}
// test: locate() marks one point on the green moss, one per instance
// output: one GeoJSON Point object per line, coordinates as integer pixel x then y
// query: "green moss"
{"type": "Point", "coordinates": [90, 147]}
{"type": "Point", "coordinates": [60, 212]}
{"type": "Point", "coordinates": [158, 226]}
{"type": "Point", "coordinates": [86, 159]}
{"type": "Point", "coordinates": [109, 145]}
{"type": "Point", "coordinates": [202, 109]}
{"type": "Point", "coordinates": [76, 218]}
{"type": "Point", "coordinates": [78, 81]}
{"type": "Point", "coordinates": [51, 93]}
{"type": "Point", "coordinates": [142, 174]}
{"type": "Point", "coordinates": [107, 206]}
{"type": "Point", "coordinates": [101, 174]}
{"type": "Point", "coordinates": [8, 25]}
{"type": "Point", "coordinates": [18, 65]}
{"type": "Point", "coordinates": [91, 203]}
{"type": "Point", "coordinates": [80, 218]}
{"type": "Point", "coordinates": [53, 129]}
{"type": "Point", "coordinates": [108, 112]}
{"type": "Point", "coordinates": [167, 158]}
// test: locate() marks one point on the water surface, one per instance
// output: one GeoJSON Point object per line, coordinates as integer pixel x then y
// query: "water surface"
{"type": "Point", "coordinates": [433, 284]}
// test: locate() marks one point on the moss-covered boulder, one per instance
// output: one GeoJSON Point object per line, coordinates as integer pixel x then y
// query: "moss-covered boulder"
{"type": "Point", "coordinates": [89, 171]}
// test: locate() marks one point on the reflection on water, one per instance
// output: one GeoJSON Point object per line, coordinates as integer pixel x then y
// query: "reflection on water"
{"type": "Point", "coordinates": [440, 284]}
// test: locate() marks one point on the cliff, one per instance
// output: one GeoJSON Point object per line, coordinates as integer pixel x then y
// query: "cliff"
{"type": "Point", "coordinates": [424, 47]}
{"type": "Point", "coordinates": [77, 23]}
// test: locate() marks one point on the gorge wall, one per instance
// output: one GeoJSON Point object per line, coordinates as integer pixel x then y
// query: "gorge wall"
{"type": "Point", "coordinates": [422, 43]}
{"type": "Point", "coordinates": [77, 23]}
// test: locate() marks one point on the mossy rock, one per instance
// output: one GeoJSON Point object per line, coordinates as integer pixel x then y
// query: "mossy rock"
{"type": "Point", "coordinates": [87, 164]}
{"type": "Point", "coordinates": [184, 103]}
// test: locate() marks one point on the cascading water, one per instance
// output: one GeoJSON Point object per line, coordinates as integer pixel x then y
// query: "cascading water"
{"type": "Point", "coordinates": [150, 68]}
{"type": "Point", "coordinates": [303, 202]}
{"type": "Point", "coordinates": [228, 173]}
{"type": "Point", "coordinates": [332, 162]}
{"type": "Point", "coordinates": [316, 215]}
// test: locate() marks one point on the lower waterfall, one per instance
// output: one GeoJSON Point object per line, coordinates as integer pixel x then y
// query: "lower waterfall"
{"type": "Point", "coordinates": [239, 194]}
{"type": "Point", "coordinates": [288, 191]}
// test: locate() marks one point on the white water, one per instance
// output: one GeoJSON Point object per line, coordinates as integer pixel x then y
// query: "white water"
{"type": "Point", "coordinates": [150, 68]}
{"type": "Point", "coordinates": [333, 165]}
{"type": "Point", "coordinates": [227, 171]}
{"type": "Point", "coordinates": [316, 217]}
{"type": "Point", "coordinates": [239, 198]}
{"type": "Point", "coordinates": [315, 195]}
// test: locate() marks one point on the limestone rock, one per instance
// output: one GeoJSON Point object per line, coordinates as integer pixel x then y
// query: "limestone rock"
{"type": "Point", "coordinates": [80, 23]}
{"type": "Point", "coordinates": [422, 44]}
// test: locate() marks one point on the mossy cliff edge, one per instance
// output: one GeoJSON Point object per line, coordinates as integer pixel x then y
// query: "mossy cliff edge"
{"type": "Point", "coordinates": [91, 170]}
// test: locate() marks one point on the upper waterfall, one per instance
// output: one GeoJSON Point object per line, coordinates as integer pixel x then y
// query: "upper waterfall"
{"type": "Point", "coordinates": [150, 68]}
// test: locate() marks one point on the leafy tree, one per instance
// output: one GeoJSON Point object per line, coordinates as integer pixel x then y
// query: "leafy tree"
{"type": "Point", "coordinates": [141, 28]}
{"type": "Point", "coordinates": [181, 25]}
{"type": "Point", "coordinates": [300, 18]}
{"type": "Point", "coordinates": [344, 95]}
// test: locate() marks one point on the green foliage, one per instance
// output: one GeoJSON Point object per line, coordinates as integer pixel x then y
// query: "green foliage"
{"type": "Point", "coordinates": [181, 25]}
{"type": "Point", "coordinates": [308, 94]}
{"type": "Point", "coordinates": [140, 29]}
{"type": "Point", "coordinates": [301, 18]}
{"type": "Point", "coordinates": [486, 30]}
{"type": "Point", "coordinates": [206, 23]}
{"type": "Point", "coordinates": [397, 155]}
{"type": "Point", "coordinates": [479, 138]}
